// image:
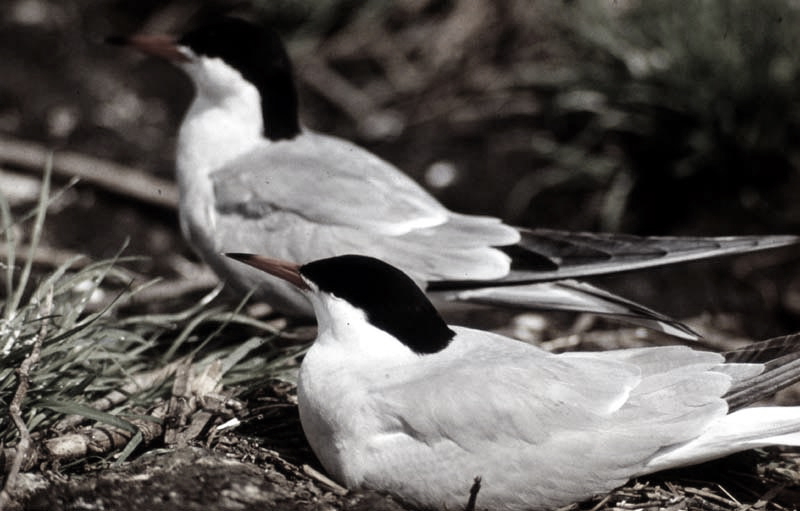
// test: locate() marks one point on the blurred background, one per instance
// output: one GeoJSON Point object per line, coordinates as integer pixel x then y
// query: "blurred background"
{"type": "Point", "coordinates": [647, 117]}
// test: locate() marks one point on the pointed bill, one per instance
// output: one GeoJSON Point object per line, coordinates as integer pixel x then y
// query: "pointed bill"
{"type": "Point", "coordinates": [163, 46]}
{"type": "Point", "coordinates": [290, 272]}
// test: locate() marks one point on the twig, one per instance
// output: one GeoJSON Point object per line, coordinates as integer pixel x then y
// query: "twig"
{"type": "Point", "coordinates": [726, 492]}
{"type": "Point", "coordinates": [473, 494]}
{"type": "Point", "coordinates": [702, 492]}
{"type": "Point", "coordinates": [53, 257]}
{"type": "Point", "coordinates": [322, 478]}
{"type": "Point", "coordinates": [167, 290]}
{"type": "Point", "coordinates": [102, 440]}
{"type": "Point", "coordinates": [104, 174]}
{"type": "Point", "coordinates": [768, 497]}
{"type": "Point", "coordinates": [462, 28]}
{"type": "Point", "coordinates": [139, 382]}
{"type": "Point", "coordinates": [181, 405]}
{"type": "Point", "coordinates": [602, 503]}
{"type": "Point", "coordinates": [185, 421]}
{"type": "Point", "coordinates": [24, 446]}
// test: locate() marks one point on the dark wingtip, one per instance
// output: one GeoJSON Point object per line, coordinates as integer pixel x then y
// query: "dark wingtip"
{"type": "Point", "coordinates": [117, 40]}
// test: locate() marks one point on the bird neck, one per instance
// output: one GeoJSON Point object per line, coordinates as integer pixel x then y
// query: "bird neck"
{"type": "Point", "coordinates": [223, 122]}
{"type": "Point", "coordinates": [248, 91]}
{"type": "Point", "coordinates": [213, 133]}
{"type": "Point", "coordinates": [231, 113]}
{"type": "Point", "coordinates": [344, 329]}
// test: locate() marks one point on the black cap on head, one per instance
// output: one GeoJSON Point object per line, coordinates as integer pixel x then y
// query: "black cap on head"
{"type": "Point", "coordinates": [260, 56]}
{"type": "Point", "coordinates": [389, 298]}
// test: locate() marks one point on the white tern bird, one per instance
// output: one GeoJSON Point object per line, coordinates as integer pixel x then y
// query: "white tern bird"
{"type": "Point", "coordinates": [393, 399]}
{"type": "Point", "coordinates": [252, 179]}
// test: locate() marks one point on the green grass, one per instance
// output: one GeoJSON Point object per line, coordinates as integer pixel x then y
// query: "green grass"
{"type": "Point", "coordinates": [90, 347]}
{"type": "Point", "coordinates": [661, 103]}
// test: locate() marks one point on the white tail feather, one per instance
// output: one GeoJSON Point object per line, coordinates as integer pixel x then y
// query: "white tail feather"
{"type": "Point", "coordinates": [741, 430]}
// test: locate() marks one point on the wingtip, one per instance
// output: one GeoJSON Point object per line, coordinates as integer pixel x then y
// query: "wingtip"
{"type": "Point", "coordinates": [782, 240]}
{"type": "Point", "coordinates": [680, 330]}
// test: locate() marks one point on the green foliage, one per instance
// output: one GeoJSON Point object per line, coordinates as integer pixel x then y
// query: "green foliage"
{"type": "Point", "coordinates": [89, 349]}
{"type": "Point", "coordinates": [699, 97]}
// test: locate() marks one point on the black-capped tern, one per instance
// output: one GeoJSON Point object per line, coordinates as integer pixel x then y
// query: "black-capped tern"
{"type": "Point", "coordinates": [252, 179]}
{"type": "Point", "coordinates": [393, 399]}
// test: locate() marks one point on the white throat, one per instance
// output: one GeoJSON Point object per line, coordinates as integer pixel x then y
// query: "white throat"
{"type": "Point", "coordinates": [344, 329]}
{"type": "Point", "coordinates": [223, 122]}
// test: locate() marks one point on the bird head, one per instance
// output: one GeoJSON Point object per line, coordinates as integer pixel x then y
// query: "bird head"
{"type": "Point", "coordinates": [228, 58]}
{"type": "Point", "coordinates": [365, 287]}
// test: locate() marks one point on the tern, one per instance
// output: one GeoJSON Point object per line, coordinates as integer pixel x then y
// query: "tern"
{"type": "Point", "coordinates": [393, 399]}
{"type": "Point", "coordinates": [251, 178]}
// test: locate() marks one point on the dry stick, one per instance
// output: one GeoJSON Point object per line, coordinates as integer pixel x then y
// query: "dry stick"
{"type": "Point", "coordinates": [52, 257]}
{"type": "Point", "coordinates": [166, 290]}
{"type": "Point", "coordinates": [473, 494]}
{"type": "Point", "coordinates": [602, 503]}
{"type": "Point", "coordinates": [102, 440]}
{"type": "Point", "coordinates": [94, 441]}
{"type": "Point", "coordinates": [205, 389]}
{"type": "Point", "coordinates": [452, 38]}
{"type": "Point", "coordinates": [325, 480]}
{"type": "Point", "coordinates": [104, 174]}
{"type": "Point", "coordinates": [139, 382]}
{"type": "Point", "coordinates": [181, 405]}
{"type": "Point", "coordinates": [24, 446]}
{"type": "Point", "coordinates": [707, 494]}
{"type": "Point", "coordinates": [126, 181]}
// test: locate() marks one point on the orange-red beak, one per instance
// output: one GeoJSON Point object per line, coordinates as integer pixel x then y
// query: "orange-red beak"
{"type": "Point", "coordinates": [290, 272]}
{"type": "Point", "coordinates": [165, 47]}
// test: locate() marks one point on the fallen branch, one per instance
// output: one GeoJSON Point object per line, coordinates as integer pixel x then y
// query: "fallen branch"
{"type": "Point", "coordinates": [104, 174]}
{"type": "Point", "coordinates": [90, 441]}
{"type": "Point", "coordinates": [325, 480]}
{"type": "Point", "coordinates": [181, 406]}
{"type": "Point", "coordinates": [195, 401]}
{"type": "Point", "coordinates": [52, 257]}
{"type": "Point", "coordinates": [102, 440]}
{"type": "Point", "coordinates": [138, 383]}
{"type": "Point", "coordinates": [166, 290]}
{"type": "Point", "coordinates": [180, 424]}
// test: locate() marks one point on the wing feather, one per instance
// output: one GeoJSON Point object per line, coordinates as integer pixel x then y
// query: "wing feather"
{"type": "Point", "coordinates": [284, 200]}
{"type": "Point", "coordinates": [614, 412]}
{"type": "Point", "coordinates": [348, 186]}
{"type": "Point", "coordinates": [286, 235]}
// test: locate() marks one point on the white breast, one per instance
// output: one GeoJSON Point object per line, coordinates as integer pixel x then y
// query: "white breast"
{"type": "Point", "coordinates": [223, 122]}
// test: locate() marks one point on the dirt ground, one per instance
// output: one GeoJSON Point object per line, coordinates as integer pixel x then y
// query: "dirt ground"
{"type": "Point", "coordinates": [61, 88]}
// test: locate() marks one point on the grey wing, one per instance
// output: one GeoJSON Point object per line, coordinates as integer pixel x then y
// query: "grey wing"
{"type": "Point", "coordinates": [295, 204]}
{"type": "Point", "coordinates": [329, 181]}
{"type": "Point", "coordinates": [564, 425]}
